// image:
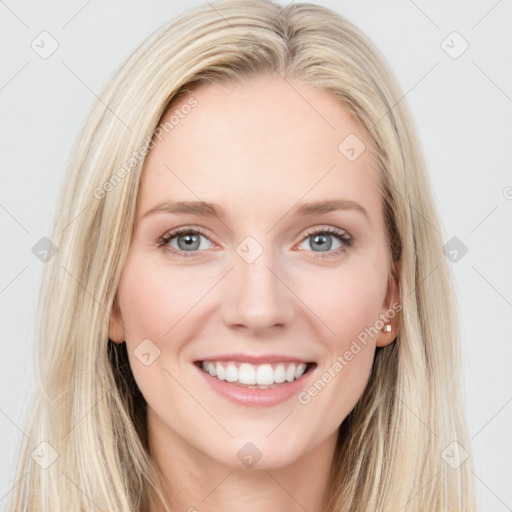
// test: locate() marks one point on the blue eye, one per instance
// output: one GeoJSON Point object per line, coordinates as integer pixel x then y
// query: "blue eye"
{"type": "Point", "coordinates": [323, 240]}
{"type": "Point", "coordinates": [187, 240]}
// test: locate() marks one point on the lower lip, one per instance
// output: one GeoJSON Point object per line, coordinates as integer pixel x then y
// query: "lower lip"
{"type": "Point", "coordinates": [256, 397]}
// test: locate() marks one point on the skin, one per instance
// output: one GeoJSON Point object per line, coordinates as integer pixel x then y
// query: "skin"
{"type": "Point", "coordinates": [255, 149]}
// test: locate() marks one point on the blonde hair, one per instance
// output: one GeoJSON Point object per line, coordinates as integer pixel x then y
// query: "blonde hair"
{"type": "Point", "coordinates": [88, 408]}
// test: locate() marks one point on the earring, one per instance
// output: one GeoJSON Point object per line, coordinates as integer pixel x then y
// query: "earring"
{"type": "Point", "coordinates": [387, 328]}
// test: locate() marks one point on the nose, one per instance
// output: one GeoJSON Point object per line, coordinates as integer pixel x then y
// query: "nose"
{"type": "Point", "coordinates": [256, 297]}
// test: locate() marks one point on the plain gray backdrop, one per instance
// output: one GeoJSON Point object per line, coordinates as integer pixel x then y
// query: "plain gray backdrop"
{"type": "Point", "coordinates": [461, 101]}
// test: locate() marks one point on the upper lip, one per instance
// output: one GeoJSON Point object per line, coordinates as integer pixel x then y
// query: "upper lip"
{"type": "Point", "coordinates": [256, 359]}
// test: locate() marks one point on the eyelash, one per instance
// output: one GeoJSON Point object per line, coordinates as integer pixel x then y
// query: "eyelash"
{"type": "Point", "coordinates": [165, 239]}
{"type": "Point", "coordinates": [343, 237]}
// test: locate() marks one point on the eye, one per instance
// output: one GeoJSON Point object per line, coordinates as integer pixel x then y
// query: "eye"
{"type": "Point", "coordinates": [188, 241]}
{"type": "Point", "coordinates": [329, 240]}
{"type": "Point", "coordinates": [183, 240]}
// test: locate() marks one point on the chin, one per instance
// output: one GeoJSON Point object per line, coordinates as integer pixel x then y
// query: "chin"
{"type": "Point", "coordinates": [260, 452]}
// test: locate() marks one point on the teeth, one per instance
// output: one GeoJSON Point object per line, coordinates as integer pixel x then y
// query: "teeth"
{"type": "Point", "coordinates": [221, 371]}
{"type": "Point", "coordinates": [280, 374]}
{"type": "Point", "coordinates": [231, 372]}
{"type": "Point", "coordinates": [262, 376]}
{"type": "Point", "coordinates": [247, 374]}
{"type": "Point", "coordinates": [299, 371]}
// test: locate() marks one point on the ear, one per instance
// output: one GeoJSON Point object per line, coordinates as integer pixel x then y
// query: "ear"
{"type": "Point", "coordinates": [391, 308]}
{"type": "Point", "coordinates": [116, 330]}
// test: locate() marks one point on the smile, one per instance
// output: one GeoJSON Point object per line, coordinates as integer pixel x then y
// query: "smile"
{"type": "Point", "coordinates": [260, 383]}
{"type": "Point", "coordinates": [261, 376]}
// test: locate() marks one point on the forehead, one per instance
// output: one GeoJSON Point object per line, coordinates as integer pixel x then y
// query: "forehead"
{"type": "Point", "coordinates": [265, 140]}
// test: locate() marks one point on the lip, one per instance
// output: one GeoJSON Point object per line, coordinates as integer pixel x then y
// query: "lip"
{"type": "Point", "coordinates": [255, 359]}
{"type": "Point", "coordinates": [257, 397]}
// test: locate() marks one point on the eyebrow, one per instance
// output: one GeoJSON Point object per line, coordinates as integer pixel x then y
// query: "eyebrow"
{"type": "Point", "coordinates": [206, 209]}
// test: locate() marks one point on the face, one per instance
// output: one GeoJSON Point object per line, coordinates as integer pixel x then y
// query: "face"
{"type": "Point", "coordinates": [259, 255]}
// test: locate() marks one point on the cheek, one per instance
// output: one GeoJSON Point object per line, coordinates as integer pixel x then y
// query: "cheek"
{"type": "Point", "coordinates": [348, 300]}
{"type": "Point", "coordinates": [157, 307]}
{"type": "Point", "coordinates": [154, 298]}
{"type": "Point", "coordinates": [160, 303]}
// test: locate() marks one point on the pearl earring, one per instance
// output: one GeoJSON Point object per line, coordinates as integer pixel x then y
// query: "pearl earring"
{"type": "Point", "coordinates": [387, 328]}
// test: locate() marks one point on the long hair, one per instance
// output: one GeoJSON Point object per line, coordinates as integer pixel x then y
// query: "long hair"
{"type": "Point", "coordinates": [88, 419]}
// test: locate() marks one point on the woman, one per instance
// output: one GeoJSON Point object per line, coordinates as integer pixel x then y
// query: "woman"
{"type": "Point", "coordinates": [249, 307]}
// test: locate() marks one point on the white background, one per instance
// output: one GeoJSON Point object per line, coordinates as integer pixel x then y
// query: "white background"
{"type": "Point", "coordinates": [463, 110]}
